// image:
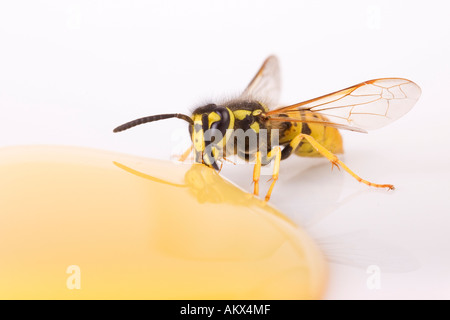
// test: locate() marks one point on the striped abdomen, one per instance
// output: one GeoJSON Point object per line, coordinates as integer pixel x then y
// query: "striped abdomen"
{"type": "Point", "coordinates": [328, 137]}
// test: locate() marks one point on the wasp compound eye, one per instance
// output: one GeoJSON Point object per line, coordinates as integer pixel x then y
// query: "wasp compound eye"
{"type": "Point", "coordinates": [224, 122]}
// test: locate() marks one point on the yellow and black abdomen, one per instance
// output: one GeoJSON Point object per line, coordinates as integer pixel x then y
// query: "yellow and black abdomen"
{"type": "Point", "coordinates": [328, 137]}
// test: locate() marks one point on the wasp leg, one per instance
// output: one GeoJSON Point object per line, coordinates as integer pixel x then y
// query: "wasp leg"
{"type": "Point", "coordinates": [186, 154]}
{"type": "Point", "coordinates": [274, 153]}
{"type": "Point", "coordinates": [257, 173]}
{"type": "Point", "coordinates": [228, 160]}
{"type": "Point", "coordinates": [221, 166]}
{"type": "Point", "coordinates": [291, 147]}
{"type": "Point", "coordinates": [335, 161]}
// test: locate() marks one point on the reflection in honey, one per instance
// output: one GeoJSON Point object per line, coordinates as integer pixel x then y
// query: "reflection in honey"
{"type": "Point", "coordinates": [142, 229]}
{"type": "Point", "coordinates": [205, 184]}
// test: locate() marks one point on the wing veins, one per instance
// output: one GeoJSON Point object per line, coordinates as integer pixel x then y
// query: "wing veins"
{"type": "Point", "coordinates": [321, 122]}
{"type": "Point", "coordinates": [335, 107]}
{"type": "Point", "coordinates": [373, 105]}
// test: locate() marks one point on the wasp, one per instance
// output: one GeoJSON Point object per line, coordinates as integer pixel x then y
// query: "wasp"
{"type": "Point", "coordinates": [307, 129]}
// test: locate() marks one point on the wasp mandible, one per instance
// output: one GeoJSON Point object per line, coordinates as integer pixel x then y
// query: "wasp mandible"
{"type": "Point", "coordinates": [308, 129]}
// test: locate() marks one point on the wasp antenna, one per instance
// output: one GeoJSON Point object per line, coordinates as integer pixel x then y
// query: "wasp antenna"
{"type": "Point", "coordinates": [157, 117]}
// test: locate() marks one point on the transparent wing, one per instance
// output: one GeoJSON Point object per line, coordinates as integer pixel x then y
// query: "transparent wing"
{"type": "Point", "coordinates": [311, 119]}
{"type": "Point", "coordinates": [265, 85]}
{"type": "Point", "coordinates": [365, 106]}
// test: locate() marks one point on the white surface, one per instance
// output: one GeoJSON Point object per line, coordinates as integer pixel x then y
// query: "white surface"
{"type": "Point", "coordinates": [70, 71]}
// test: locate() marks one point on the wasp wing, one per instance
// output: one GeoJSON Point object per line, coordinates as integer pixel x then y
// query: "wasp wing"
{"type": "Point", "coordinates": [266, 84]}
{"type": "Point", "coordinates": [324, 122]}
{"type": "Point", "coordinates": [365, 106]}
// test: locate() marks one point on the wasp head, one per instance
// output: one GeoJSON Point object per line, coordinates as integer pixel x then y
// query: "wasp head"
{"type": "Point", "coordinates": [209, 133]}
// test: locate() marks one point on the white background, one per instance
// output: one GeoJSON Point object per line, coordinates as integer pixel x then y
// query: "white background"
{"type": "Point", "coordinates": [70, 71]}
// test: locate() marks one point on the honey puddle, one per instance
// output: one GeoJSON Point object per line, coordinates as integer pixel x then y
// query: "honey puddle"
{"type": "Point", "coordinates": [81, 223]}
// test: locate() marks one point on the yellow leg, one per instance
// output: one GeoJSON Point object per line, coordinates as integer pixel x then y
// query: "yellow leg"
{"type": "Point", "coordinates": [276, 169]}
{"type": "Point", "coordinates": [257, 173]}
{"type": "Point", "coordinates": [228, 160]}
{"type": "Point", "coordinates": [186, 154]}
{"type": "Point", "coordinates": [335, 161]}
{"type": "Point", "coordinates": [221, 166]}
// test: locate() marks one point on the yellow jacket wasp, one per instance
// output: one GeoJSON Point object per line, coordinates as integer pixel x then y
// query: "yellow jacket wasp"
{"type": "Point", "coordinates": [308, 129]}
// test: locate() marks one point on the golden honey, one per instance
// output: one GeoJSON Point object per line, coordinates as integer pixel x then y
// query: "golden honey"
{"type": "Point", "coordinates": [79, 223]}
